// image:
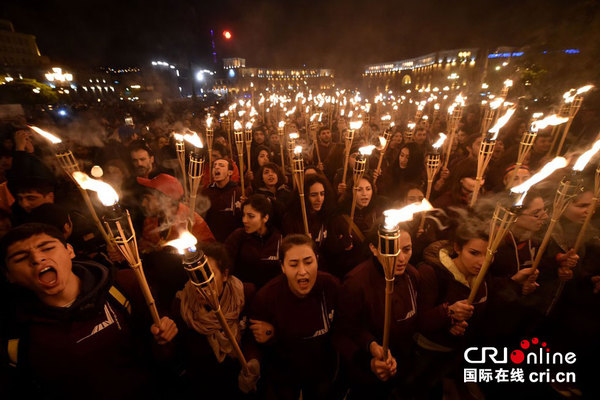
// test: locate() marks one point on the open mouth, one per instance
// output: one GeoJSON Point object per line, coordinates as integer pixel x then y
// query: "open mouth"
{"type": "Point", "coordinates": [303, 283]}
{"type": "Point", "coordinates": [48, 276]}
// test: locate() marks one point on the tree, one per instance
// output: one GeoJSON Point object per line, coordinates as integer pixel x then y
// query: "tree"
{"type": "Point", "coordinates": [27, 91]}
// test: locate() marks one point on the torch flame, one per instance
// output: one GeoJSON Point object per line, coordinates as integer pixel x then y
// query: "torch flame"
{"type": "Point", "coordinates": [298, 150]}
{"type": "Point", "coordinates": [586, 157]}
{"type": "Point", "coordinates": [394, 216]}
{"type": "Point", "coordinates": [496, 103]}
{"type": "Point", "coordinates": [366, 150]}
{"type": "Point", "coordinates": [312, 117]}
{"type": "Point", "coordinates": [107, 195]}
{"type": "Point", "coordinates": [508, 83]}
{"type": "Point", "coordinates": [46, 135]}
{"type": "Point", "coordinates": [185, 241]}
{"type": "Point", "coordinates": [501, 122]}
{"type": "Point", "coordinates": [281, 124]}
{"type": "Point", "coordinates": [354, 125]}
{"type": "Point", "coordinates": [208, 121]}
{"type": "Point", "coordinates": [571, 94]}
{"type": "Point", "coordinates": [193, 139]}
{"type": "Point", "coordinates": [411, 125]}
{"type": "Point", "coordinates": [178, 137]}
{"type": "Point", "coordinates": [294, 135]}
{"type": "Point", "coordinates": [382, 142]}
{"type": "Point", "coordinates": [546, 171]}
{"type": "Point", "coordinates": [249, 125]}
{"type": "Point", "coordinates": [436, 106]}
{"type": "Point", "coordinates": [549, 120]}
{"type": "Point", "coordinates": [440, 141]}
{"type": "Point", "coordinates": [386, 117]}
{"type": "Point", "coordinates": [237, 126]}
{"type": "Point", "coordinates": [584, 89]}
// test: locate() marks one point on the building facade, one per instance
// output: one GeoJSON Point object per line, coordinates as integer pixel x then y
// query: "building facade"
{"type": "Point", "coordinates": [20, 56]}
{"type": "Point", "coordinates": [449, 68]}
{"type": "Point", "coordinates": [242, 79]}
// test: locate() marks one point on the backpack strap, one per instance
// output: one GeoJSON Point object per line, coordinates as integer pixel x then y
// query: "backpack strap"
{"type": "Point", "coordinates": [120, 297]}
{"type": "Point", "coordinates": [13, 351]}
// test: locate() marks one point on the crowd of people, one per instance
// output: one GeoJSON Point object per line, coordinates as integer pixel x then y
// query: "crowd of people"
{"type": "Point", "coordinates": [308, 312]}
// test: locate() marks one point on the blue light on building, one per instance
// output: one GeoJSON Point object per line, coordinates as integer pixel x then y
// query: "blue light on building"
{"type": "Point", "coordinates": [506, 55]}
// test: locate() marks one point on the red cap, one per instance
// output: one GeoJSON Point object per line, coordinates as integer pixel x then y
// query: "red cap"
{"type": "Point", "coordinates": [166, 184]}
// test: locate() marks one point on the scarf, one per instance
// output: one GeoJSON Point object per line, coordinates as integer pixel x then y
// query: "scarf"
{"type": "Point", "coordinates": [197, 314]}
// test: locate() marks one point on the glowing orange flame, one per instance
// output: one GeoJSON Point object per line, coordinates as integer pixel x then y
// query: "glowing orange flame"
{"type": "Point", "coordinates": [184, 242]}
{"type": "Point", "coordinates": [394, 216]}
{"type": "Point", "coordinates": [46, 135]}
{"type": "Point", "coordinates": [585, 158]}
{"type": "Point", "coordinates": [107, 195]}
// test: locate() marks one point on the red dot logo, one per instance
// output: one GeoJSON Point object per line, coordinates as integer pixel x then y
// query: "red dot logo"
{"type": "Point", "coordinates": [534, 340]}
{"type": "Point", "coordinates": [517, 356]}
{"type": "Point", "coordinates": [524, 344]}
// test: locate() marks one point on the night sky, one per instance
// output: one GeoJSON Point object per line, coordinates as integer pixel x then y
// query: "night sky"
{"type": "Point", "coordinates": [341, 34]}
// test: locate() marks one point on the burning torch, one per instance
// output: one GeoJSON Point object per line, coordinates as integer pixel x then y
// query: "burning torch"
{"type": "Point", "coordinates": [503, 219]}
{"type": "Point", "coordinates": [433, 166]}
{"type": "Point", "coordinates": [389, 249]}
{"type": "Point", "coordinates": [354, 125]}
{"type": "Point", "coordinates": [195, 169]}
{"type": "Point", "coordinates": [201, 275]}
{"type": "Point", "coordinates": [248, 140]}
{"type": "Point", "coordinates": [120, 229]}
{"type": "Point", "coordinates": [280, 132]}
{"type": "Point", "coordinates": [529, 137]}
{"type": "Point", "coordinates": [486, 149]}
{"type": "Point", "coordinates": [209, 141]}
{"type": "Point", "coordinates": [69, 164]}
{"type": "Point", "coordinates": [574, 99]}
{"type": "Point", "coordinates": [239, 143]}
{"type": "Point", "coordinates": [298, 171]}
{"type": "Point", "coordinates": [385, 143]}
{"type": "Point", "coordinates": [569, 188]}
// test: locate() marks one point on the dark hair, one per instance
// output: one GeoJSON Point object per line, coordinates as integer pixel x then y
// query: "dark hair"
{"type": "Point", "coordinates": [257, 153]}
{"type": "Point", "coordinates": [414, 167]}
{"type": "Point", "coordinates": [405, 188]}
{"type": "Point", "coordinates": [140, 145]}
{"type": "Point", "coordinates": [33, 185]}
{"type": "Point", "coordinates": [532, 194]}
{"type": "Point", "coordinates": [328, 208]}
{"type": "Point", "coordinates": [50, 214]}
{"type": "Point", "coordinates": [260, 203]}
{"type": "Point", "coordinates": [469, 227]}
{"type": "Point", "coordinates": [321, 129]}
{"type": "Point", "coordinates": [218, 252]}
{"type": "Point", "coordinates": [221, 149]}
{"type": "Point", "coordinates": [23, 232]}
{"type": "Point", "coordinates": [346, 198]}
{"type": "Point", "coordinates": [295, 240]}
{"type": "Point", "coordinates": [258, 179]}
